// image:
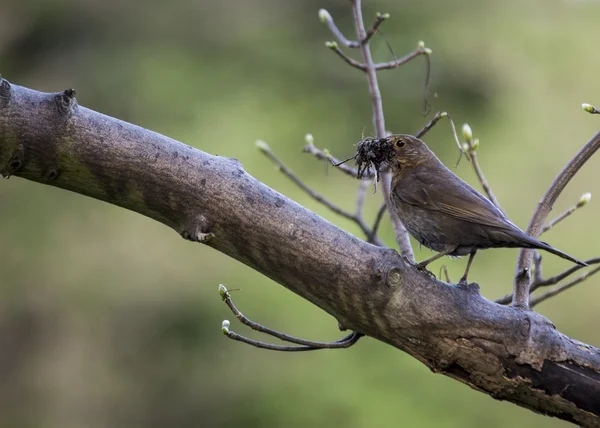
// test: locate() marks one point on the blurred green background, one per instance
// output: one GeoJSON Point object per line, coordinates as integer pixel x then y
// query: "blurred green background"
{"type": "Point", "coordinates": [109, 319]}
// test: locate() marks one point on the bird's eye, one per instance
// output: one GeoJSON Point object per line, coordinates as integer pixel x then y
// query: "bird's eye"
{"type": "Point", "coordinates": [400, 143]}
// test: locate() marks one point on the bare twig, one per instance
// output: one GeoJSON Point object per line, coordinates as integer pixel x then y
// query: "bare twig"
{"type": "Point", "coordinates": [324, 155]}
{"type": "Point", "coordinates": [522, 277]}
{"type": "Point", "coordinates": [360, 197]}
{"type": "Point", "coordinates": [590, 108]}
{"type": "Point", "coordinates": [301, 344]}
{"type": "Point", "coordinates": [444, 269]}
{"type": "Point", "coordinates": [472, 146]}
{"type": "Point", "coordinates": [264, 147]}
{"type": "Point", "coordinates": [327, 19]}
{"type": "Point", "coordinates": [585, 198]}
{"type": "Point", "coordinates": [420, 50]}
{"type": "Point", "coordinates": [352, 62]}
{"type": "Point", "coordinates": [377, 222]}
{"type": "Point", "coordinates": [379, 124]}
{"type": "Point", "coordinates": [557, 278]}
{"type": "Point", "coordinates": [379, 18]}
{"type": "Point", "coordinates": [539, 282]}
{"type": "Point", "coordinates": [539, 299]}
{"type": "Point", "coordinates": [434, 120]}
{"type": "Point", "coordinates": [538, 273]}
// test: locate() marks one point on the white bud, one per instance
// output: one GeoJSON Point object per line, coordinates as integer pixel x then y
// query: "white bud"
{"type": "Point", "coordinates": [225, 327]}
{"type": "Point", "coordinates": [421, 44]}
{"type": "Point", "coordinates": [585, 198]}
{"type": "Point", "coordinates": [589, 108]}
{"type": "Point", "coordinates": [427, 51]}
{"type": "Point", "coordinates": [467, 133]}
{"type": "Point", "coordinates": [262, 145]}
{"type": "Point", "coordinates": [309, 139]}
{"type": "Point", "coordinates": [324, 16]}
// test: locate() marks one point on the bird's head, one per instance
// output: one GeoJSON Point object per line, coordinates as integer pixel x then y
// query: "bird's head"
{"type": "Point", "coordinates": [408, 151]}
{"type": "Point", "coordinates": [399, 151]}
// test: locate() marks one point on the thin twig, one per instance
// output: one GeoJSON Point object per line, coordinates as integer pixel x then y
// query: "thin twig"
{"type": "Point", "coordinates": [360, 197]}
{"type": "Point", "coordinates": [522, 277]}
{"type": "Point", "coordinates": [538, 273]}
{"type": "Point", "coordinates": [482, 180]}
{"type": "Point", "coordinates": [434, 120]}
{"type": "Point", "coordinates": [352, 62]}
{"type": "Point", "coordinates": [444, 269]}
{"type": "Point", "coordinates": [585, 198]}
{"type": "Point", "coordinates": [264, 147]}
{"type": "Point", "coordinates": [371, 32]}
{"type": "Point", "coordinates": [323, 155]}
{"type": "Point", "coordinates": [377, 222]}
{"type": "Point", "coordinates": [557, 278]}
{"type": "Point", "coordinates": [539, 299]}
{"type": "Point", "coordinates": [539, 282]}
{"type": "Point", "coordinates": [379, 124]}
{"type": "Point", "coordinates": [305, 345]}
{"type": "Point", "coordinates": [327, 19]}
{"type": "Point", "coordinates": [400, 61]}
{"type": "Point", "coordinates": [473, 145]}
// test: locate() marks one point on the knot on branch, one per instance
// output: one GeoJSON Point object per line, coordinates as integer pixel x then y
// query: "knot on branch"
{"type": "Point", "coordinates": [66, 103]}
{"type": "Point", "coordinates": [14, 164]}
{"type": "Point", "coordinates": [51, 173]}
{"type": "Point", "coordinates": [197, 231]}
{"type": "Point", "coordinates": [5, 93]}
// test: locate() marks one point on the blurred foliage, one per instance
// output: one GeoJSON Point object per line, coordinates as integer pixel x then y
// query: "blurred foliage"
{"type": "Point", "coordinates": [108, 319]}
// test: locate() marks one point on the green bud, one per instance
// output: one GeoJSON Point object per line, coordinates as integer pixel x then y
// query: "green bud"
{"type": "Point", "coordinates": [225, 327]}
{"type": "Point", "coordinates": [443, 114]}
{"type": "Point", "coordinates": [383, 16]}
{"type": "Point", "coordinates": [222, 290]}
{"type": "Point", "coordinates": [590, 108]}
{"type": "Point", "coordinates": [475, 144]}
{"type": "Point", "coordinates": [324, 16]}
{"type": "Point", "coordinates": [585, 198]}
{"type": "Point", "coordinates": [331, 45]}
{"type": "Point", "coordinates": [427, 51]}
{"type": "Point", "coordinates": [326, 153]}
{"type": "Point", "coordinates": [467, 133]}
{"type": "Point", "coordinates": [262, 145]}
{"type": "Point", "coordinates": [309, 139]}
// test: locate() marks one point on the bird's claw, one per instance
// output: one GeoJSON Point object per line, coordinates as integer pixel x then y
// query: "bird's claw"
{"type": "Point", "coordinates": [423, 268]}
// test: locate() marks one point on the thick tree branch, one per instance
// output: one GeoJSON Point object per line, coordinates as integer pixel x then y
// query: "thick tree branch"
{"type": "Point", "coordinates": [506, 352]}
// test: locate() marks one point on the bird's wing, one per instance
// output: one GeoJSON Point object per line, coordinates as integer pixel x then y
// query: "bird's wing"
{"type": "Point", "coordinates": [450, 197]}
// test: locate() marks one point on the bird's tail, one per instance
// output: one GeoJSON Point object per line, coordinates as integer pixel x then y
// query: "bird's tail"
{"type": "Point", "coordinates": [546, 247]}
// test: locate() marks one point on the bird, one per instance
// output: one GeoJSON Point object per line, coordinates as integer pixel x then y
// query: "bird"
{"type": "Point", "coordinates": [444, 213]}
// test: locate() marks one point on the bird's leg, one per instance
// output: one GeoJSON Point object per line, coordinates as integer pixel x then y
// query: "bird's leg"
{"type": "Point", "coordinates": [422, 265]}
{"type": "Point", "coordinates": [463, 280]}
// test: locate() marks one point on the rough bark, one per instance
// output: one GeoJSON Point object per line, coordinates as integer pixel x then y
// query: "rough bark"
{"type": "Point", "coordinates": [506, 352]}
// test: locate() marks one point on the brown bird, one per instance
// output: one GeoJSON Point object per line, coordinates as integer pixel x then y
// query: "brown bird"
{"type": "Point", "coordinates": [443, 212]}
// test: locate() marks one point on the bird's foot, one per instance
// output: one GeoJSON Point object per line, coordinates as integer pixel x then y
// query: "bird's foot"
{"type": "Point", "coordinates": [423, 268]}
{"type": "Point", "coordinates": [463, 282]}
